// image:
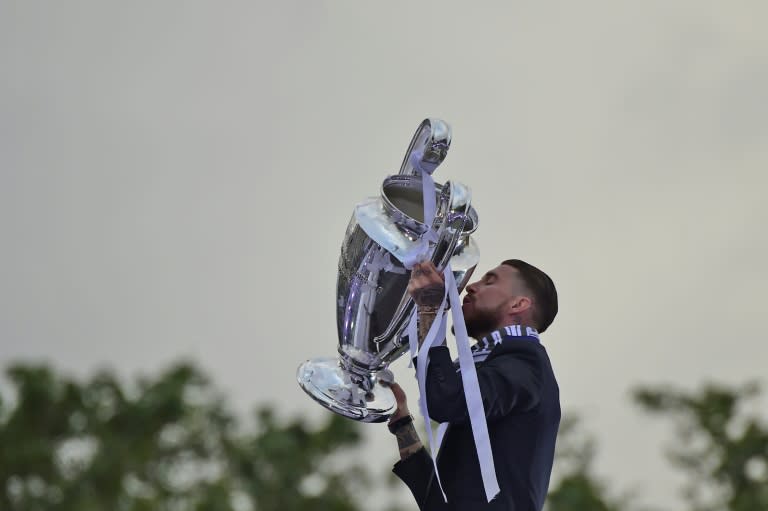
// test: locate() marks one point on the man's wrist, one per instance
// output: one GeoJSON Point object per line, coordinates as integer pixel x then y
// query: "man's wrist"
{"type": "Point", "coordinates": [395, 425]}
{"type": "Point", "coordinates": [408, 442]}
{"type": "Point", "coordinates": [428, 310]}
{"type": "Point", "coordinates": [426, 317]}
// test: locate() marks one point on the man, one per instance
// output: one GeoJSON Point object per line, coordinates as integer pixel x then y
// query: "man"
{"type": "Point", "coordinates": [504, 311]}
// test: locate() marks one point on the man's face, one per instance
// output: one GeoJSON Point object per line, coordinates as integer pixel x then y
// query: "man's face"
{"type": "Point", "coordinates": [484, 303]}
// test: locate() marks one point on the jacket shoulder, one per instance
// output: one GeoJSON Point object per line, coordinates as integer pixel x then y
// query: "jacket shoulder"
{"type": "Point", "coordinates": [525, 348]}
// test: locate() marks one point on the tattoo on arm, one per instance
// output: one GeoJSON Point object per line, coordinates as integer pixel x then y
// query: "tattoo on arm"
{"type": "Point", "coordinates": [407, 440]}
{"type": "Point", "coordinates": [431, 296]}
{"type": "Point", "coordinates": [425, 322]}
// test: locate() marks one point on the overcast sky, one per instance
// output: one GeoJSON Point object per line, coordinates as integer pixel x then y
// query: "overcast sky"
{"type": "Point", "coordinates": [176, 179]}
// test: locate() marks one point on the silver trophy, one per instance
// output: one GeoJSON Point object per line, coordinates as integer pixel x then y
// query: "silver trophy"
{"type": "Point", "coordinates": [373, 307]}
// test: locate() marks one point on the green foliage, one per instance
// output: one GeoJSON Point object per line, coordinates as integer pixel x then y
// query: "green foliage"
{"type": "Point", "coordinates": [578, 491]}
{"type": "Point", "coordinates": [170, 443]}
{"type": "Point", "coordinates": [277, 459]}
{"type": "Point", "coordinates": [166, 443]}
{"type": "Point", "coordinates": [721, 446]}
{"type": "Point", "coordinates": [576, 487]}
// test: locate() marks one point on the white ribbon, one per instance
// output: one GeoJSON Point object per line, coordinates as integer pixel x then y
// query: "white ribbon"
{"type": "Point", "coordinates": [472, 390]}
{"type": "Point", "coordinates": [471, 386]}
{"type": "Point", "coordinates": [435, 335]}
{"type": "Point", "coordinates": [420, 251]}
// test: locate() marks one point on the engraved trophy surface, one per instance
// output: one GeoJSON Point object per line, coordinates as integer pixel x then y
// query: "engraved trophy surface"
{"type": "Point", "coordinates": [373, 307]}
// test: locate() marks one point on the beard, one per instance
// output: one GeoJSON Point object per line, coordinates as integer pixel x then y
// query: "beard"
{"type": "Point", "coordinates": [481, 322]}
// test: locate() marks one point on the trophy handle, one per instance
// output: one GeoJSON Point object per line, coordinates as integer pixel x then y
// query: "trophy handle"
{"type": "Point", "coordinates": [429, 147]}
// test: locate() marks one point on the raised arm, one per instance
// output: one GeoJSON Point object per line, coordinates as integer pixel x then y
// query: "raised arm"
{"type": "Point", "coordinates": [415, 467]}
{"type": "Point", "coordinates": [401, 425]}
{"type": "Point", "coordinates": [427, 288]}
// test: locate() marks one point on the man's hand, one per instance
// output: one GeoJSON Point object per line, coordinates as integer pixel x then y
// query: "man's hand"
{"type": "Point", "coordinates": [408, 441]}
{"type": "Point", "coordinates": [402, 402]}
{"type": "Point", "coordinates": [427, 288]}
{"type": "Point", "coordinates": [427, 285]}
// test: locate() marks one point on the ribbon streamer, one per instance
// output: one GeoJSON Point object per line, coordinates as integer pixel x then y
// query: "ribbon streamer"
{"type": "Point", "coordinates": [436, 334]}
{"type": "Point", "coordinates": [472, 394]}
{"type": "Point", "coordinates": [470, 382]}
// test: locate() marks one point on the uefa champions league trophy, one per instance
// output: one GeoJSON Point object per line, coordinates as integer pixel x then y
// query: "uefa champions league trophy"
{"type": "Point", "coordinates": [386, 236]}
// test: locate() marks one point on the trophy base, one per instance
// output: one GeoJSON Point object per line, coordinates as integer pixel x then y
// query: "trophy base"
{"type": "Point", "coordinates": [333, 387]}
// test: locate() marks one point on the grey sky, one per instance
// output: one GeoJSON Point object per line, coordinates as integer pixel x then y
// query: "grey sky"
{"type": "Point", "coordinates": [175, 180]}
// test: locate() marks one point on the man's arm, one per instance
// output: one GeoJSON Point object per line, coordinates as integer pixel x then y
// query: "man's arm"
{"type": "Point", "coordinates": [415, 467]}
{"type": "Point", "coordinates": [401, 425]}
{"type": "Point", "coordinates": [427, 288]}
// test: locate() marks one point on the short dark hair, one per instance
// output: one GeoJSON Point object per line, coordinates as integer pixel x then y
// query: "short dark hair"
{"type": "Point", "coordinates": [543, 290]}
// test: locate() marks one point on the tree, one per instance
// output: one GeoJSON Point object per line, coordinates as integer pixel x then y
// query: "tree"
{"type": "Point", "coordinates": [288, 467]}
{"type": "Point", "coordinates": [167, 443]}
{"type": "Point", "coordinates": [576, 487]}
{"type": "Point", "coordinates": [722, 447]}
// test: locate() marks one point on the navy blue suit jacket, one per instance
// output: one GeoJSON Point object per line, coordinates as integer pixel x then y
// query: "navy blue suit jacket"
{"type": "Point", "coordinates": [522, 407]}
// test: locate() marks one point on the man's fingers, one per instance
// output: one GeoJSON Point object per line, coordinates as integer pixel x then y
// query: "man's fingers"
{"type": "Point", "coordinates": [426, 285]}
{"type": "Point", "coordinates": [419, 273]}
{"type": "Point", "coordinates": [397, 390]}
{"type": "Point", "coordinates": [426, 273]}
{"type": "Point", "coordinates": [425, 267]}
{"type": "Point", "coordinates": [385, 377]}
{"type": "Point", "coordinates": [429, 266]}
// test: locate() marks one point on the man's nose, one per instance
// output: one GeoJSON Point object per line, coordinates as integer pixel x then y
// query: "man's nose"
{"type": "Point", "coordinates": [471, 288]}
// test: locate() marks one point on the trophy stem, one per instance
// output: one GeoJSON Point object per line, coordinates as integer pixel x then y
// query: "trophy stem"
{"type": "Point", "coordinates": [353, 394]}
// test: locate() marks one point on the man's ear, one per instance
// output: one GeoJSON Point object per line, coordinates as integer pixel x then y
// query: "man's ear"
{"type": "Point", "coordinates": [518, 304]}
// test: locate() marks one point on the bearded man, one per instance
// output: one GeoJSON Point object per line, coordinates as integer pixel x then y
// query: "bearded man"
{"type": "Point", "coordinates": [505, 311]}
